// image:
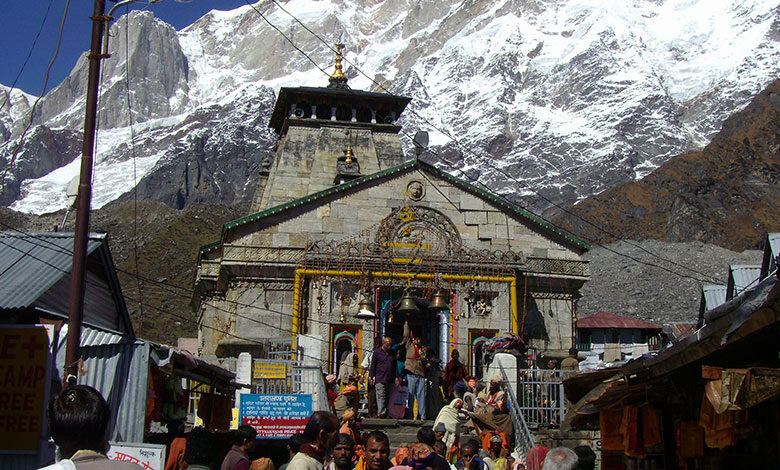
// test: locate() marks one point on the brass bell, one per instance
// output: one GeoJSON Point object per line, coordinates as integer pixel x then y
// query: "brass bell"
{"type": "Point", "coordinates": [365, 308]}
{"type": "Point", "coordinates": [439, 302]}
{"type": "Point", "coordinates": [407, 305]}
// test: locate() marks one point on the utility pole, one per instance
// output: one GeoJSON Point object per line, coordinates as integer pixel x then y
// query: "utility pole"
{"type": "Point", "coordinates": [84, 200]}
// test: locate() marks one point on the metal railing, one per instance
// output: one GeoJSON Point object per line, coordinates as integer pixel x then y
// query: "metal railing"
{"type": "Point", "coordinates": [524, 440]}
{"type": "Point", "coordinates": [540, 396]}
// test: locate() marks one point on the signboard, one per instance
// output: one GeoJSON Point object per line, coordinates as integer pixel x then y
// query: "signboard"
{"type": "Point", "coordinates": [24, 371]}
{"type": "Point", "coordinates": [198, 421]}
{"type": "Point", "coordinates": [147, 456]}
{"type": "Point", "coordinates": [269, 370]}
{"type": "Point", "coordinates": [275, 416]}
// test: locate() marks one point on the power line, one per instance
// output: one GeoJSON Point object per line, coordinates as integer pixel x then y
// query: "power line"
{"type": "Point", "coordinates": [37, 100]}
{"type": "Point", "coordinates": [139, 284]}
{"type": "Point", "coordinates": [29, 54]}
{"type": "Point", "coordinates": [189, 292]}
{"type": "Point", "coordinates": [486, 161]}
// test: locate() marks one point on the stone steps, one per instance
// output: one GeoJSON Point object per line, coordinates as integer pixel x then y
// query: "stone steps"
{"type": "Point", "coordinates": [398, 430]}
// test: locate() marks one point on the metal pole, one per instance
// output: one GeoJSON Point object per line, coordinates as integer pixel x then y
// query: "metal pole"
{"type": "Point", "coordinates": [83, 201]}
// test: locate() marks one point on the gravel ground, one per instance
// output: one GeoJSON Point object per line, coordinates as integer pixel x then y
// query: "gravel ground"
{"type": "Point", "coordinates": [627, 283]}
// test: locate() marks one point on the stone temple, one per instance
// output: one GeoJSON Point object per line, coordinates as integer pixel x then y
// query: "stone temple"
{"type": "Point", "coordinates": [344, 222]}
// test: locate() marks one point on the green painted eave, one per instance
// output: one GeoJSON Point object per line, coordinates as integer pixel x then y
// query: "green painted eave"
{"type": "Point", "coordinates": [410, 165]}
{"type": "Point", "coordinates": [318, 195]}
{"type": "Point", "coordinates": [211, 246]}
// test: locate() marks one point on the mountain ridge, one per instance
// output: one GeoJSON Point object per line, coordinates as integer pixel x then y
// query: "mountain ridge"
{"type": "Point", "coordinates": [726, 194]}
{"type": "Point", "coordinates": [572, 97]}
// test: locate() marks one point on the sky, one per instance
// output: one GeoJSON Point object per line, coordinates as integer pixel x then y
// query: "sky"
{"type": "Point", "coordinates": [20, 21]}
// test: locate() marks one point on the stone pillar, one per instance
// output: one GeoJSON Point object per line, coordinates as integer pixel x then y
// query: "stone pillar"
{"type": "Point", "coordinates": [243, 374]}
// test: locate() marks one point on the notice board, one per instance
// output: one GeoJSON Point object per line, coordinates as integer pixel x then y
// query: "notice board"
{"type": "Point", "coordinates": [147, 456]}
{"type": "Point", "coordinates": [275, 416]}
{"type": "Point", "coordinates": [24, 370]}
{"type": "Point", "coordinates": [269, 370]}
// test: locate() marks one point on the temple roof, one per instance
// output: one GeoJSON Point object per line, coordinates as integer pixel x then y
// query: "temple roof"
{"type": "Point", "coordinates": [336, 191]}
{"type": "Point", "coordinates": [332, 96]}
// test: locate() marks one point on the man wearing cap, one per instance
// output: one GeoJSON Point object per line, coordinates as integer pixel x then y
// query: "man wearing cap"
{"type": "Point", "coordinates": [571, 362]}
{"type": "Point", "coordinates": [494, 460]}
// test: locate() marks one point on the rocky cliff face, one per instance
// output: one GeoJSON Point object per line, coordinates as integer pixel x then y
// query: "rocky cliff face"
{"type": "Point", "coordinates": [727, 194]}
{"type": "Point", "coordinates": [570, 97]}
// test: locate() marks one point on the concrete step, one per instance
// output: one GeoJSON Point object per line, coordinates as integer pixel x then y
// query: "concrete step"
{"type": "Point", "coordinates": [398, 430]}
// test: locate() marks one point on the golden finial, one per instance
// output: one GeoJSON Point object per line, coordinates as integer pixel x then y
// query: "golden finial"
{"type": "Point", "coordinates": [338, 79]}
{"type": "Point", "coordinates": [348, 161]}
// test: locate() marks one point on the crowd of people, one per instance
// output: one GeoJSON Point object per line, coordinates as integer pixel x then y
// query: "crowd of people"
{"type": "Point", "coordinates": [324, 445]}
{"type": "Point", "coordinates": [405, 381]}
{"type": "Point", "coordinates": [79, 416]}
{"type": "Point", "coordinates": [401, 381]}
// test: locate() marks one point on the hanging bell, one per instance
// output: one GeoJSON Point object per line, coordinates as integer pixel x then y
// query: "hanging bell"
{"type": "Point", "coordinates": [439, 302]}
{"type": "Point", "coordinates": [407, 305]}
{"type": "Point", "coordinates": [365, 308]}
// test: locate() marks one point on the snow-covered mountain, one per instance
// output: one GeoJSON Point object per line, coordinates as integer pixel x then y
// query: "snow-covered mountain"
{"type": "Point", "coordinates": [569, 96]}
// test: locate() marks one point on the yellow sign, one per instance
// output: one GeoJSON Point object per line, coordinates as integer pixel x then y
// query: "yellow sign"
{"type": "Point", "coordinates": [24, 360]}
{"type": "Point", "coordinates": [269, 370]}
{"type": "Point", "coordinates": [233, 421]}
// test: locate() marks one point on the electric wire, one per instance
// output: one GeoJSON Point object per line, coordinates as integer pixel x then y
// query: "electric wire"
{"type": "Point", "coordinates": [424, 120]}
{"type": "Point", "coordinates": [139, 283]}
{"type": "Point", "coordinates": [29, 54]}
{"type": "Point", "coordinates": [486, 161]}
{"type": "Point", "coordinates": [187, 293]}
{"type": "Point", "coordinates": [37, 100]}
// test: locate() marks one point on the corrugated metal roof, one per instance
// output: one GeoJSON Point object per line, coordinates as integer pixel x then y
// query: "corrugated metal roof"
{"type": "Point", "coordinates": [95, 337]}
{"type": "Point", "coordinates": [771, 252]}
{"type": "Point", "coordinates": [713, 295]}
{"type": "Point", "coordinates": [680, 330]}
{"type": "Point", "coordinates": [30, 263]}
{"type": "Point", "coordinates": [741, 278]}
{"type": "Point", "coordinates": [610, 320]}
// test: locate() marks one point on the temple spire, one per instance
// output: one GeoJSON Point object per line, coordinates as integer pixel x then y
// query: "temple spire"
{"type": "Point", "coordinates": [338, 79]}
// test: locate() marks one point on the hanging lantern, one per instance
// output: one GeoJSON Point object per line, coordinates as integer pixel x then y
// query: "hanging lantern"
{"type": "Point", "coordinates": [407, 305]}
{"type": "Point", "coordinates": [438, 302]}
{"type": "Point", "coordinates": [365, 308]}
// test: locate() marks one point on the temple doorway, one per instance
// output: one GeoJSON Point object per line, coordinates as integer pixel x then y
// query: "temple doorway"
{"type": "Point", "coordinates": [424, 324]}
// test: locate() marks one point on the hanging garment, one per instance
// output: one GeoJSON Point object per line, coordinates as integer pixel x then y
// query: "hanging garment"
{"type": "Point", "coordinates": [609, 421]}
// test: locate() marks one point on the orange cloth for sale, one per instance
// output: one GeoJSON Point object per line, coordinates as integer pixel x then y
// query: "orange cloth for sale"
{"type": "Point", "coordinates": [691, 439]}
{"type": "Point", "coordinates": [630, 429]}
{"type": "Point", "coordinates": [609, 421]}
{"type": "Point", "coordinates": [717, 426]}
{"type": "Point", "coordinates": [176, 454]}
{"type": "Point", "coordinates": [651, 432]}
